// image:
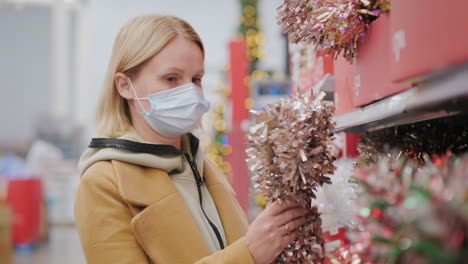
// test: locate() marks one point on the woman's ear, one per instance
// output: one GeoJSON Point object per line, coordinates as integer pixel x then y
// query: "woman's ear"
{"type": "Point", "coordinates": [123, 86]}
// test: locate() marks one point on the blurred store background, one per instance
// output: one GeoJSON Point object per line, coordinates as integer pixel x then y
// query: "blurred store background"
{"type": "Point", "coordinates": [54, 54]}
{"type": "Point", "coordinates": [403, 89]}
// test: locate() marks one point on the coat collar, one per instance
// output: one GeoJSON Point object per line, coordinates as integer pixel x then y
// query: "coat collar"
{"type": "Point", "coordinates": [131, 148]}
{"type": "Point", "coordinates": [163, 224]}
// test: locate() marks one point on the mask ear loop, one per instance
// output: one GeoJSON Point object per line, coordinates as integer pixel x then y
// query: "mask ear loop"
{"type": "Point", "coordinates": [136, 96]}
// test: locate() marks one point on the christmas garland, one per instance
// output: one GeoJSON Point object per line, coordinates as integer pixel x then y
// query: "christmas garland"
{"type": "Point", "coordinates": [333, 26]}
{"type": "Point", "coordinates": [409, 213]}
{"type": "Point", "coordinates": [288, 157]}
{"type": "Point", "coordinates": [433, 137]}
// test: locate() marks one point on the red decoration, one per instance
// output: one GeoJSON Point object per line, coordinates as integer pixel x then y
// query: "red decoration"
{"type": "Point", "coordinates": [24, 198]}
{"type": "Point", "coordinates": [376, 212]}
{"type": "Point", "coordinates": [239, 74]}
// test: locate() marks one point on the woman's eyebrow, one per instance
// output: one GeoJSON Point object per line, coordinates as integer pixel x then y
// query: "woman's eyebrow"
{"type": "Point", "coordinates": [176, 69]}
{"type": "Point", "coordinates": [179, 70]}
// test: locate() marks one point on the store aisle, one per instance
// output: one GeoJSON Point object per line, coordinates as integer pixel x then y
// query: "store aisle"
{"type": "Point", "coordinates": [63, 247]}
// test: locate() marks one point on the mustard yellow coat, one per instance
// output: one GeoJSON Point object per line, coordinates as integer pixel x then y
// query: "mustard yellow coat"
{"type": "Point", "coordinates": [132, 214]}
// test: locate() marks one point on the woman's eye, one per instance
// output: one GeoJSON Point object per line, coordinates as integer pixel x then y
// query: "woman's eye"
{"type": "Point", "coordinates": [171, 79]}
{"type": "Point", "coordinates": [196, 80]}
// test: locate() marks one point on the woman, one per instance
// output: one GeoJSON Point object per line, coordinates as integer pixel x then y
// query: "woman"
{"type": "Point", "coordinates": [147, 194]}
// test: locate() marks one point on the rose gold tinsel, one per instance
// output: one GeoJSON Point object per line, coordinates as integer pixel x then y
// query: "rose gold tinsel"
{"type": "Point", "coordinates": [332, 25]}
{"type": "Point", "coordinates": [288, 157]}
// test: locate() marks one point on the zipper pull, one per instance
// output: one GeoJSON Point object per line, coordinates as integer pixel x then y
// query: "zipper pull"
{"type": "Point", "coordinates": [198, 178]}
{"type": "Point", "coordinates": [199, 182]}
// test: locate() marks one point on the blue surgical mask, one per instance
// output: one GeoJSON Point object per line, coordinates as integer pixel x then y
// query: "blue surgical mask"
{"type": "Point", "coordinates": [176, 111]}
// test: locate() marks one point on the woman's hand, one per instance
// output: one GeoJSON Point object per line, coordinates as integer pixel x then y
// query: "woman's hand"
{"type": "Point", "coordinates": [274, 229]}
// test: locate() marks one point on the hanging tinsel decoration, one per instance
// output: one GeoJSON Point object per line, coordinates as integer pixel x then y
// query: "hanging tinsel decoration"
{"type": "Point", "coordinates": [249, 28]}
{"type": "Point", "coordinates": [288, 157]}
{"type": "Point", "coordinates": [433, 137]}
{"type": "Point", "coordinates": [333, 26]}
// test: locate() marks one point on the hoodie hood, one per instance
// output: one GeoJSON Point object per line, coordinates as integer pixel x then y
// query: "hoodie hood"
{"type": "Point", "coordinates": [171, 163]}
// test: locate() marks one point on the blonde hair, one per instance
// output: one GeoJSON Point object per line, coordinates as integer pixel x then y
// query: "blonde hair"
{"type": "Point", "coordinates": [137, 42]}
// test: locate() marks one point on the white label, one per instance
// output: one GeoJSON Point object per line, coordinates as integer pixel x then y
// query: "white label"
{"type": "Point", "coordinates": [357, 83]}
{"type": "Point", "coordinates": [399, 42]}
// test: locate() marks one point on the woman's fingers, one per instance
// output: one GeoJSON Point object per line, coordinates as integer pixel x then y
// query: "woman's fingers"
{"type": "Point", "coordinates": [291, 227]}
{"type": "Point", "coordinates": [274, 229]}
{"type": "Point", "coordinates": [277, 208]}
{"type": "Point", "coordinates": [289, 215]}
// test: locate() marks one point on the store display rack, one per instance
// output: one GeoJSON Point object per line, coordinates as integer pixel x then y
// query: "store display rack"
{"type": "Point", "coordinates": [439, 95]}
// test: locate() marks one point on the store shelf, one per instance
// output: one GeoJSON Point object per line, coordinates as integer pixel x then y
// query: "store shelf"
{"type": "Point", "coordinates": [443, 94]}
{"type": "Point", "coordinates": [263, 100]}
{"type": "Point", "coordinates": [268, 91]}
